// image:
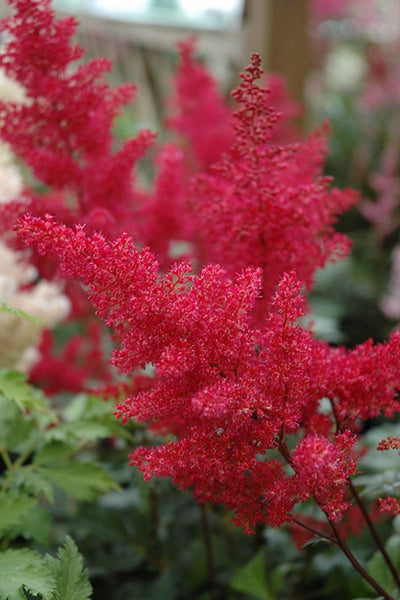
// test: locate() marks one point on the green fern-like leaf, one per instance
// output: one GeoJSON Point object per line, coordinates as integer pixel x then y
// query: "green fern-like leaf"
{"type": "Point", "coordinates": [71, 579]}
{"type": "Point", "coordinates": [13, 508]}
{"type": "Point", "coordinates": [24, 569]}
{"type": "Point", "coordinates": [81, 480]}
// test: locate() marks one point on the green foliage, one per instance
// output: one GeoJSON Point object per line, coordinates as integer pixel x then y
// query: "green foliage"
{"type": "Point", "coordinates": [24, 570]}
{"type": "Point", "coordinates": [81, 480]}
{"type": "Point", "coordinates": [13, 508]}
{"type": "Point", "coordinates": [378, 568]}
{"type": "Point", "coordinates": [43, 454]}
{"type": "Point", "coordinates": [71, 579]}
{"type": "Point", "coordinates": [252, 578]}
{"type": "Point", "coordinates": [51, 578]}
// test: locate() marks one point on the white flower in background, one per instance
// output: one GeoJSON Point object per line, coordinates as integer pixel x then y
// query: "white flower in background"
{"type": "Point", "coordinates": [390, 303]}
{"type": "Point", "coordinates": [11, 90]}
{"type": "Point", "coordinates": [11, 184]}
{"type": "Point", "coordinates": [345, 69]}
{"type": "Point", "coordinates": [19, 337]}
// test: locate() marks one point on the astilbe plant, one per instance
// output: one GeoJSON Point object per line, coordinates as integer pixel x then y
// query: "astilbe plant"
{"type": "Point", "coordinates": [265, 205]}
{"type": "Point", "coordinates": [60, 124]}
{"type": "Point", "coordinates": [241, 397]}
{"type": "Point", "coordinates": [64, 130]}
{"type": "Point", "coordinates": [230, 393]}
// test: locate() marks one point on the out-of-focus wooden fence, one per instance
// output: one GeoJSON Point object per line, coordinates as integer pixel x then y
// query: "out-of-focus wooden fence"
{"type": "Point", "coordinates": [145, 54]}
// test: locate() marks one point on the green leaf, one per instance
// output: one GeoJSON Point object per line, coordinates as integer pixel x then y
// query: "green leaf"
{"type": "Point", "coordinates": [276, 576]}
{"type": "Point", "coordinates": [53, 453]}
{"type": "Point", "coordinates": [251, 579]}
{"type": "Point", "coordinates": [19, 433]}
{"type": "Point", "coordinates": [23, 569]}
{"type": "Point", "coordinates": [13, 386]}
{"type": "Point", "coordinates": [377, 567]}
{"type": "Point", "coordinates": [71, 579]}
{"type": "Point", "coordinates": [32, 482]}
{"type": "Point", "coordinates": [13, 508]}
{"type": "Point", "coordinates": [35, 525]}
{"type": "Point", "coordinates": [18, 313]}
{"type": "Point", "coordinates": [85, 430]}
{"type": "Point", "coordinates": [81, 480]}
{"type": "Point", "coordinates": [90, 417]}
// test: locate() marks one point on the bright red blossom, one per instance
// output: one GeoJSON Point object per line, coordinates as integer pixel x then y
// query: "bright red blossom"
{"type": "Point", "coordinates": [268, 206]}
{"type": "Point", "coordinates": [391, 442]}
{"type": "Point", "coordinates": [239, 396]}
{"type": "Point", "coordinates": [228, 391]}
{"type": "Point", "coordinates": [64, 131]}
{"type": "Point", "coordinates": [201, 114]}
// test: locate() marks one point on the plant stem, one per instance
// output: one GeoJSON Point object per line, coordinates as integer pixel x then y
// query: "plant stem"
{"type": "Point", "coordinates": [374, 533]}
{"type": "Point", "coordinates": [6, 483]}
{"type": "Point", "coordinates": [6, 458]}
{"type": "Point", "coordinates": [25, 455]}
{"type": "Point", "coordinates": [208, 547]}
{"type": "Point", "coordinates": [350, 556]}
{"type": "Point", "coordinates": [310, 528]}
{"type": "Point", "coordinates": [285, 453]}
{"type": "Point", "coordinates": [155, 550]}
{"type": "Point", "coordinates": [365, 514]}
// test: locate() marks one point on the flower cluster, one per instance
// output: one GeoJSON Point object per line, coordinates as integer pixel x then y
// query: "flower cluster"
{"type": "Point", "coordinates": [264, 205]}
{"type": "Point", "coordinates": [229, 392]}
{"type": "Point", "coordinates": [64, 130]}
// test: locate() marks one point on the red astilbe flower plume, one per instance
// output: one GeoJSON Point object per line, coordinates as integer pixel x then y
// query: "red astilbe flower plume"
{"type": "Point", "coordinates": [285, 130]}
{"type": "Point", "coordinates": [264, 205]}
{"type": "Point", "coordinates": [390, 505]}
{"type": "Point", "coordinates": [361, 383]}
{"type": "Point", "coordinates": [161, 216]}
{"type": "Point", "coordinates": [81, 362]}
{"type": "Point", "coordinates": [229, 392]}
{"type": "Point", "coordinates": [64, 130]}
{"type": "Point", "coordinates": [391, 442]}
{"type": "Point", "coordinates": [221, 386]}
{"type": "Point", "coordinates": [322, 468]}
{"type": "Point", "coordinates": [202, 116]}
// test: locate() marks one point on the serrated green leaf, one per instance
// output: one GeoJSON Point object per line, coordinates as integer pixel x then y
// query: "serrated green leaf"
{"type": "Point", "coordinates": [53, 453]}
{"type": "Point", "coordinates": [23, 569]}
{"type": "Point", "coordinates": [13, 385]}
{"type": "Point", "coordinates": [90, 417]}
{"type": "Point", "coordinates": [32, 482]}
{"type": "Point", "coordinates": [76, 408]}
{"type": "Point", "coordinates": [14, 507]}
{"type": "Point", "coordinates": [18, 312]}
{"type": "Point", "coordinates": [71, 579]}
{"type": "Point", "coordinates": [86, 430]}
{"type": "Point", "coordinates": [251, 579]}
{"type": "Point", "coordinates": [19, 433]}
{"type": "Point", "coordinates": [81, 480]}
{"type": "Point", "coordinates": [86, 407]}
{"type": "Point", "coordinates": [35, 525]}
